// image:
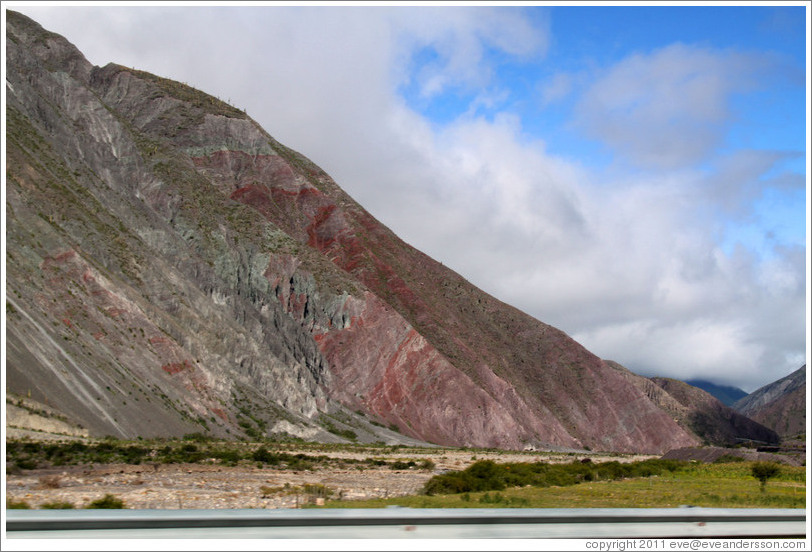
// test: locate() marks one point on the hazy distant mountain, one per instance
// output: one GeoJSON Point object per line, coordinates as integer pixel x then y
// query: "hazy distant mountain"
{"type": "Point", "coordinates": [725, 393]}
{"type": "Point", "coordinates": [780, 405]}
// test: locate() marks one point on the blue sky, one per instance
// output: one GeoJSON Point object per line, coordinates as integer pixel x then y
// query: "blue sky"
{"type": "Point", "coordinates": [636, 176]}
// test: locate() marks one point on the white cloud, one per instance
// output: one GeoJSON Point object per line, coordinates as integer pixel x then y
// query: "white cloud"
{"type": "Point", "coordinates": [557, 88]}
{"type": "Point", "coordinates": [668, 108]}
{"type": "Point", "coordinates": [459, 40]}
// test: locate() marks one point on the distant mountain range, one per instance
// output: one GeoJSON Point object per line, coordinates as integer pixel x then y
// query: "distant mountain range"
{"type": "Point", "coordinates": [172, 269]}
{"type": "Point", "coordinates": [725, 393]}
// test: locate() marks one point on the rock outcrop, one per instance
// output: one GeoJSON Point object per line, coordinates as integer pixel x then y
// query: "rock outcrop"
{"type": "Point", "coordinates": [171, 268]}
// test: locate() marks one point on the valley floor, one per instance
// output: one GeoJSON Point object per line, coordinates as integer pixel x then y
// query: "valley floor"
{"type": "Point", "coordinates": [212, 486]}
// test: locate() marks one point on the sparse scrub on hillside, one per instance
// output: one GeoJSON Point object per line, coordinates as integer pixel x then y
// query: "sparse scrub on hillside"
{"type": "Point", "coordinates": [345, 433]}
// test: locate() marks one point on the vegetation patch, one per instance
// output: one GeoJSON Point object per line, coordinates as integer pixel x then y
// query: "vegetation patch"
{"type": "Point", "coordinates": [690, 484]}
{"type": "Point", "coordinates": [329, 426]}
{"type": "Point", "coordinates": [194, 448]}
{"type": "Point", "coordinates": [108, 502]}
{"type": "Point", "coordinates": [487, 475]}
{"type": "Point", "coordinates": [57, 505]}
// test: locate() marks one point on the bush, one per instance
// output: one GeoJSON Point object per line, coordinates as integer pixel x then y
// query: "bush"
{"type": "Point", "coordinates": [426, 465]}
{"type": "Point", "coordinates": [27, 464]}
{"type": "Point", "coordinates": [764, 471]}
{"type": "Point", "coordinates": [496, 498]}
{"type": "Point", "coordinates": [228, 457]}
{"type": "Point", "coordinates": [57, 505]}
{"type": "Point", "coordinates": [17, 505]}
{"type": "Point", "coordinates": [262, 455]}
{"type": "Point", "coordinates": [317, 490]}
{"type": "Point", "coordinates": [108, 502]}
{"type": "Point", "coordinates": [484, 475]}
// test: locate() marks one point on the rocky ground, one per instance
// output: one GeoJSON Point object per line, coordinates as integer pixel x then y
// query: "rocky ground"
{"type": "Point", "coordinates": [174, 486]}
{"type": "Point", "coordinates": [171, 486]}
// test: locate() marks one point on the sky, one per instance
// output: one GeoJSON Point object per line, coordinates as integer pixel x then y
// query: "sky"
{"type": "Point", "coordinates": [633, 175]}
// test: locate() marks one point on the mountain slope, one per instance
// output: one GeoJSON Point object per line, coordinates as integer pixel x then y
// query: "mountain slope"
{"type": "Point", "coordinates": [172, 268]}
{"type": "Point", "coordinates": [698, 412]}
{"type": "Point", "coordinates": [727, 394]}
{"type": "Point", "coordinates": [780, 405]}
{"type": "Point", "coordinates": [707, 417]}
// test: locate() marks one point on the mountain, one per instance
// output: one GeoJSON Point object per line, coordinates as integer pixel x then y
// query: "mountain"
{"type": "Point", "coordinates": [710, 419]}
{"type": "Point", "coordinates": [780, 405]}
{"type": "Point", "coordinates": [171, 269]}
{"type": "Point", "coordinates": [698, 412]}
{"type": "Point", "coordinates": [725, 393]}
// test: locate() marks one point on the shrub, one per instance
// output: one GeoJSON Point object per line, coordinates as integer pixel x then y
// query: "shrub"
{"type": "Point", "coordinates": [57, 505]}
{"type": "Point", "coordinates": [764, 471]}
{"type": "Point", "coordinates": [317, 490]}
{"type": "Point", "coordinates": [17, 505]}
{"type": "Point", "coordinates": [262, 455]}
{"type": "Point", "coordinates": [27, 464]}
{"type": "Point", "coordinates": [267, 491]}
{"type": "Point", "coordinates": [496, 498]}
{"type": "Point", "coordinates": [427, 465]}
{"type": "Point", "coordinates": [228, 457]}
{"type": "Point", "coordinates": [108, 502]}
{"type": "Point", "coordinates": [484, 475]}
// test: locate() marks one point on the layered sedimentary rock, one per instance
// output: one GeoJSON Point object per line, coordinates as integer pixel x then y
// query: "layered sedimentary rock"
{"type": "Point", "coordinates": [172, 268]}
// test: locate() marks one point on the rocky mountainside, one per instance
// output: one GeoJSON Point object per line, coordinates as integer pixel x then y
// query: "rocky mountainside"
{"type": "Point", "coordinates": [780, 405]}
{"type": "Point", "coordinates": [171, 268]}
{"type": "Point", "coordinates": [707, 417]}
{"type": "Point", "coordinates": [698, 412]}
{"type": "Point", "coordinates": [727, 394]}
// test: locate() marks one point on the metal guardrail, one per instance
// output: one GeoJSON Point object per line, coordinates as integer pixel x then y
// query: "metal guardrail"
{"type": "Point", "coordinates": [390, 523]}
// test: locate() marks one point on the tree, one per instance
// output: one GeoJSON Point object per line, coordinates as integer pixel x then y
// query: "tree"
{"type": "Point", "coordinates": [764, 471]}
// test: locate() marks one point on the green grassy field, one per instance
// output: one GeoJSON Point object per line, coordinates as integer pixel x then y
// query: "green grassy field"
{"type": "Point", "coordinates": [708, 485]}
